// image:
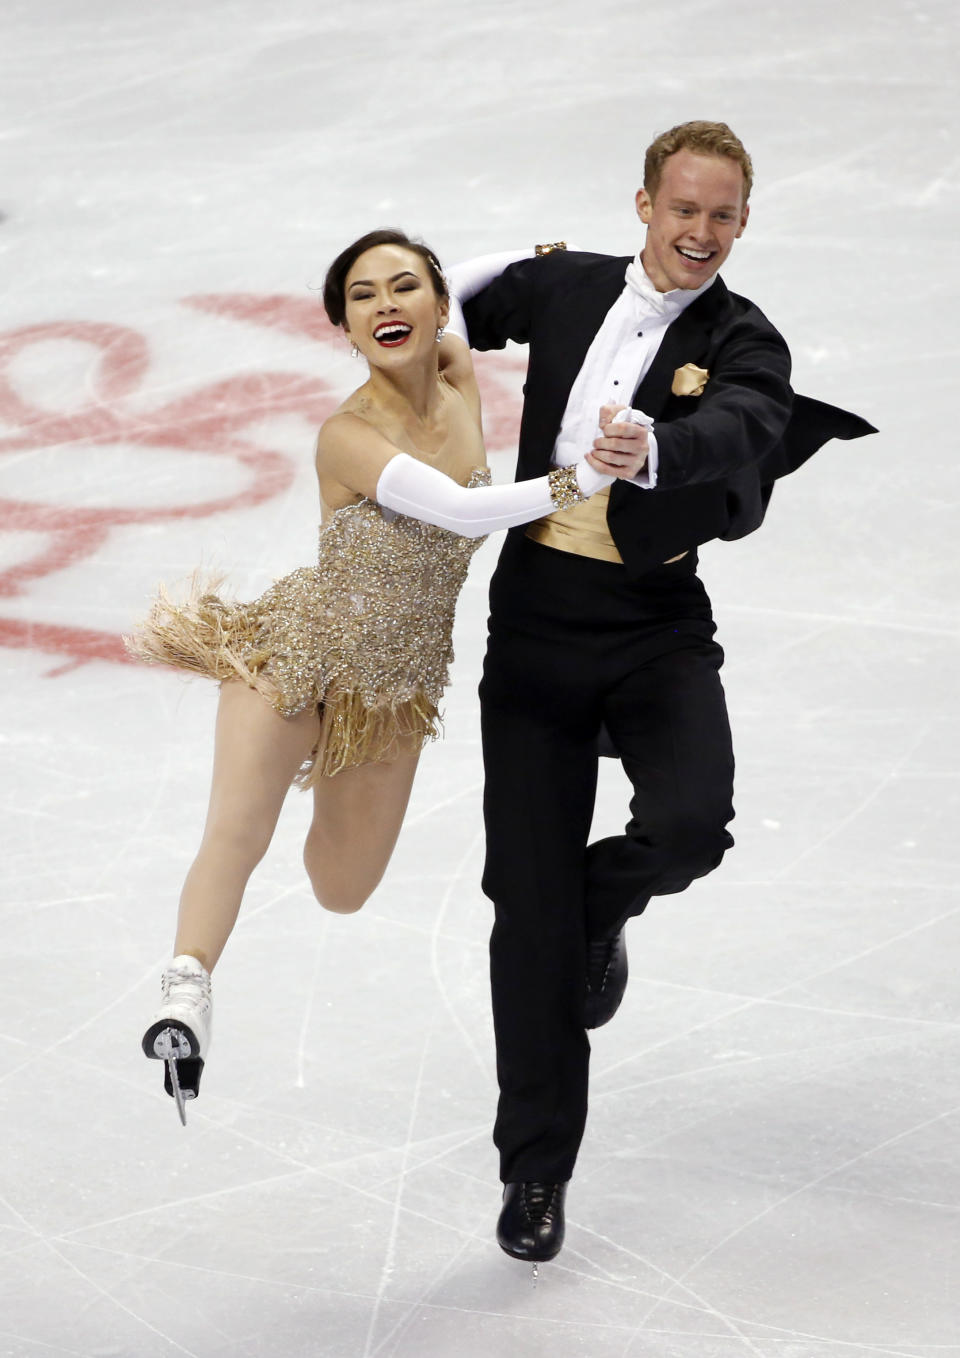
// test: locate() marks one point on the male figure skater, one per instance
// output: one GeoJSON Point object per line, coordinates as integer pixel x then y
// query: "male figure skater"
{"type": "Point", "coordinates": [600, 629]}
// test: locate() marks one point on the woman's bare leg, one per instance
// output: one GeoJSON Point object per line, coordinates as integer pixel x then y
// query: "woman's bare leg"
{"type": "Point", "coordinates": [256, 756]}
{"type": "Point", "coordinates": [357, 815]}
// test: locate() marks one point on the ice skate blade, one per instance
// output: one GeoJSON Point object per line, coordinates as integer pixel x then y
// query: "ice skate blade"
{"type": "Point", "coordinates": [173, 1046]}
{"type": "Point", "coordinates": [176, 1047]}
{"type": "Point", "coordinates": [178, 1096]}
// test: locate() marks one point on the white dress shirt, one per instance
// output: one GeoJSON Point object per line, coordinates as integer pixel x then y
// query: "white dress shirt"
{"type": "Point", "coordinates": [618, 359]}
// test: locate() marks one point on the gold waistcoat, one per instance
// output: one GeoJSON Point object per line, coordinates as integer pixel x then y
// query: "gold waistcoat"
{"type": "Point", "coordinates": [581, 529]}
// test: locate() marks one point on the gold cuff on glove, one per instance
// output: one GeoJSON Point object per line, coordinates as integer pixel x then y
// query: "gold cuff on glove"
{"type": "Point", "coordinates": [564, 488]}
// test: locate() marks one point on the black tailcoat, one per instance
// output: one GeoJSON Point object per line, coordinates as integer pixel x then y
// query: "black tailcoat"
{"type": "Point", "coordinates": [719, 453]}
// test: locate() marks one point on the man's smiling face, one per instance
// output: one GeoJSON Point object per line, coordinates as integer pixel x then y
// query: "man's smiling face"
{"type": "Point", "coordinates": [692, 223]}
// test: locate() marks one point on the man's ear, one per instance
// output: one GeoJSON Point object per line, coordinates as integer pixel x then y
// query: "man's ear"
{"type": "Point", "coordinates": [743, 220]}
{"type": "Point", "coordinates": [644, 206]}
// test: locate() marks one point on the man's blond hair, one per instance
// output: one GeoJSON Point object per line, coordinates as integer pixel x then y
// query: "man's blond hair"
{"type": "Point", "coordinates": [706, 139]}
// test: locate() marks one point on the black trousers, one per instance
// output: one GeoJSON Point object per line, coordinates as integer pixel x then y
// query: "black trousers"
{"type": "Point", "coordinates": [575, 646]}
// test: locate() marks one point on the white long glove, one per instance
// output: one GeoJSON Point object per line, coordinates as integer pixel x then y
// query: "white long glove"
{"type": "Point", "coordinates": [411, 487]}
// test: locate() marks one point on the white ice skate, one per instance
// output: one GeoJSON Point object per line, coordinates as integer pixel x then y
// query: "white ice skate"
{"type": "Point", "coordinates": [180, 1032]}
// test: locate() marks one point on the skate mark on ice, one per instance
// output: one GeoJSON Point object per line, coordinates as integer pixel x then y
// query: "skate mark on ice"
{"type": "Point", "coordinates": [809, 1184]}
{"type": "Point", "coordinates": [428, 812]}
{"type": "Point", "coordinates": [390, 1252]}
{"type": "Point", "coordinates": [319, 954]}
{"type": "Point", "coordinates": [53, 1246]}
{"type": "Point", "coordinates": [772, 997]}
{"type": "Point", "coordinates": [437, 970]}
{"type": "Point", "coordinates": [883, 783]}
{"type": "Point", "coordinates": [845, 621]}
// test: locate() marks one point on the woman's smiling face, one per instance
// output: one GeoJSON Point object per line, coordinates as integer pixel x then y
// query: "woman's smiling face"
{"type": "Point", "coordinates": [392, 306]}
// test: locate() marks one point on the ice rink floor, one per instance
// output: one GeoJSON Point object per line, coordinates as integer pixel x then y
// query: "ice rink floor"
{"type": "Point", "coordinates": [771, 1166]}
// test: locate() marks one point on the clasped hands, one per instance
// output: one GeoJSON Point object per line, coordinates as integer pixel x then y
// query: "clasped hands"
{"type": "Point", "coordinates": [619, 449]}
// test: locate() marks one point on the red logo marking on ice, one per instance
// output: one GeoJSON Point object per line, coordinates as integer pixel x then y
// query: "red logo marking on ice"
{"type": "Point", "coordinates": [212, 419]}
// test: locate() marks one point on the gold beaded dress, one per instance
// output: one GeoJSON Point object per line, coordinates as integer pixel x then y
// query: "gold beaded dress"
{"type": "Point", "coordinates": [364, 635]}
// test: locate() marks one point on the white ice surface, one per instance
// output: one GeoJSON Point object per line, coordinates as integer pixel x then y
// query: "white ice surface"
{"type": "Point", "coordinates": [771, 1164]}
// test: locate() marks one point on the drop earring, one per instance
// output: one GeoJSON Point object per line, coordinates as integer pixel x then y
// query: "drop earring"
{"type": "Point", "coordinates": [354, 351]}
{"type": "Point", "coordinates": [439, 333]}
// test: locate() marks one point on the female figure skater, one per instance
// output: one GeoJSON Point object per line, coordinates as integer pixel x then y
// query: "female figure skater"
{"type": "Point", "coordinates": [331, 679]}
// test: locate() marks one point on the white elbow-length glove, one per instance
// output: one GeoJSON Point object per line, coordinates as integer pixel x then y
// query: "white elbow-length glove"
{"type": "Point", "coordinates": [410, 487]}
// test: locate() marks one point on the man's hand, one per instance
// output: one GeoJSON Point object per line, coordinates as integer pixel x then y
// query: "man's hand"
{"type": "Point", "coordinates": [620, 449]}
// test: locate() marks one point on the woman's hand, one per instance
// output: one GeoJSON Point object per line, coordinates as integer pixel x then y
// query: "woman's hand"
{"type": "Point", "coordinates": [619, 449]}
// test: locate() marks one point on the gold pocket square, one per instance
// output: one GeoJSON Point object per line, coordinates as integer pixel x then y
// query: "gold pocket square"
{"type": "Point", "coordinates": [689, 380]}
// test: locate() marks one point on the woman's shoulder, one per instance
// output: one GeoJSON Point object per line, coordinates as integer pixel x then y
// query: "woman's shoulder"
{"type": "Point", "coordinates": [351, 419]}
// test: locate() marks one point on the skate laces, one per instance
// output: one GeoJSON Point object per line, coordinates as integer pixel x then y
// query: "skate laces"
{"type": "Point", "coordinates": [600, 955]}
{"type": "Point", "coordinates": [185, 984]}
{"type": "Point", "coordinates": [538, 1200]}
